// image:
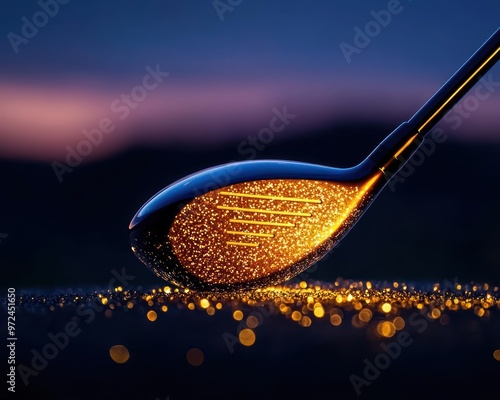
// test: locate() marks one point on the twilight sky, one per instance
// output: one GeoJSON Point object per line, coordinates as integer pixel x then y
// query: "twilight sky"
{"type": "Point", "coordinates": [229, 63]}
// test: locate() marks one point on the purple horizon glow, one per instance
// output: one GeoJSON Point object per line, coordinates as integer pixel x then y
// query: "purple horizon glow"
{"type": "Point", "coordinates": [38, 121]}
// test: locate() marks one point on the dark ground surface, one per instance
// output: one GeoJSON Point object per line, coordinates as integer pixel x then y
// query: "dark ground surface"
{"type": "Point", "coordinates": [286, 361]}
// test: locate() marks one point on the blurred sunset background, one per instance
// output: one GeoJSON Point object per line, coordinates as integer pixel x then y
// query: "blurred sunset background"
{"type": "Point", "coordinates": [66, 204]}
{"type": "Point", "coordinates": [226, 75]}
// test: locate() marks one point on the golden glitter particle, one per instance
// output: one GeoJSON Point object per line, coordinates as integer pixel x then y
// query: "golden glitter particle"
{"type": "Point", "coordinates": [130, 305]}
{"type": "Point", "coordinates": [255, 229]}
{"type": "Point", "coordinates": [247, 337]}
{"type": "Point", "coordinates": [386, 329]}
{"type": "Point", "coordinates": [303, 285]}
{"type": "Point", "coordinates": [210, 311]}
{"type": "Point", "coordinates": [204, 303]}
{"type": "Point", "coordinates": [319, 312]}
{"type": "Point", "coordinates": [335, 320]}
{"type": "Point", "coordinates": [356, 322]}
{"type": "Point", "coordinates": [152, 315]}
{"type": "Point", "coordinates": [296, 316]}
{"type": "Point", "coordinates": [191, 306]}
{"type": "Point", "coordinates": [238, 315]}
{"type": "Point", "coordinates": [164, 308]}
{"type": "Point", "coordinates": [119, 354]}
{"type": "Point", "coordinates": [496, 355]}
{"type": "Point", "coordinates": [305, 321]}
{"type": "Point", "coordinates": [399, 323]}
{"type": "Point", "coordinates": [364, 315]}
{"type": "Point", "coordinates": [104, 301]}
{"type": "Point", "coordinates": [386, 307]}
{"type": "Point", "coordinates": [218, 306]}
{"type": "Point", "coordinates": [195, 357]}
{"type": "Point", "coordinates": [150, 303]}
{"type": "Point", "coordinates": [252, 321]}
{"type": "Point", "coordinates": [435, 313]}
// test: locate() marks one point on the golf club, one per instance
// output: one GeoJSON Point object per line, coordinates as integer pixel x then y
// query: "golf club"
{"type": "Point", "coordinates": [251, 224]}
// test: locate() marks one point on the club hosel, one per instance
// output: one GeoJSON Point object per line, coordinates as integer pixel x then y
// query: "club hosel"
{"type": "Point", "coordinates": [395, 148]}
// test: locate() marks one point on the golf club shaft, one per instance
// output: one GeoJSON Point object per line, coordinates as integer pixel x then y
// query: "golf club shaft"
{"type": "Point", "coordinates": [396, 148]}
{"type": "Point", "coordinates": [457, 86]}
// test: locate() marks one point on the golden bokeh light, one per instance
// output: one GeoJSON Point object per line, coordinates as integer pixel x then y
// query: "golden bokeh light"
{"type": "Point", "coordinates": [496, 355]}
{"type": "Point", "coordinates": [119, 354]}
{"type": "Point", "coordinates": [238, 315]}
{"type": "Point", "coordinates": [335, 320]}
{"type": "Point", "coordinates": [435, 313]}
{"type": "Point", "coordinates": [386, 329]}
{"type": "Point", "coordinates": [399, 323]}
{"type": "Point", "coordinates": [195, 357]}
{"type": "Point", "coordinates": [296, 315]}
{"type": "Point", "coordinates": [246, 337]}
{"type": "Point", "coordinates": [252, 321]}
{"type": "Point", "coordinates": [319, 311]}
{"type": "Point", "coordinates": [365, 315]}
{"type": "Point", "coordinates": [151, 315]}
{"type": "Point", "coordinates": [386, 307]}
{"type": "Point", "coordinates": [204, 303]}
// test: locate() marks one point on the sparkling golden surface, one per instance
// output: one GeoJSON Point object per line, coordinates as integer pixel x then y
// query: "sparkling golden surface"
{"type": "Point", "coordinates": [342, 304]}
{"type": "Point", "coordinates": [251, 230]}
{"type": "Point", "coordinates": [361, 303]}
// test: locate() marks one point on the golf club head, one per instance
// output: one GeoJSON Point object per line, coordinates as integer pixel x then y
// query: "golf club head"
{"type": "Point", "coordinates": [250, 224]}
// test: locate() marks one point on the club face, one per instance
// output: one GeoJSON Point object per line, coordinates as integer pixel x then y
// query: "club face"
{"type": "Point", "coordinates": [252, 233]}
